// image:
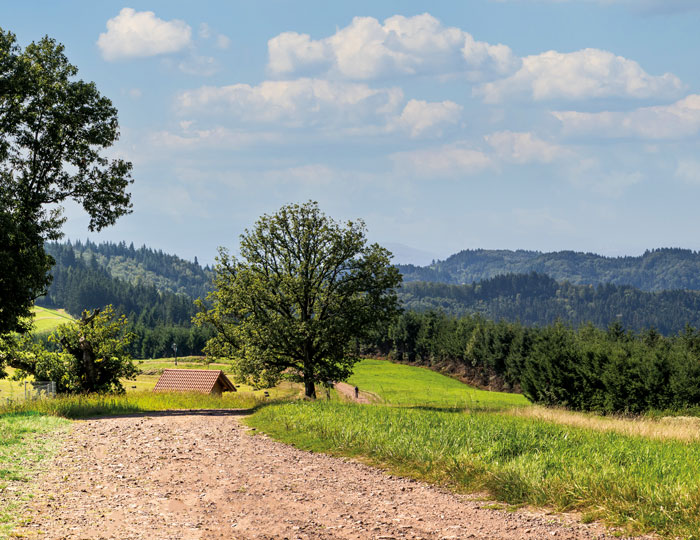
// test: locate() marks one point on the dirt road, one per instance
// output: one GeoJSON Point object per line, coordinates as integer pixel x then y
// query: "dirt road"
{"type": "Point", "coordinates": [348, 392]}
{"type": "Point", "coordinates": [200, 475]}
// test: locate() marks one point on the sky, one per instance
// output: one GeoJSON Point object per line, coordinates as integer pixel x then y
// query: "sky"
{"type": "Point", "coordinates": [498, 124]}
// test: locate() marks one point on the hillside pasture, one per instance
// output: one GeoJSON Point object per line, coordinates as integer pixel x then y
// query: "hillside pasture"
{"type": "Point", "coordinates": [399, 384]}
{"type": "Point", "coordinates": [46, 320]}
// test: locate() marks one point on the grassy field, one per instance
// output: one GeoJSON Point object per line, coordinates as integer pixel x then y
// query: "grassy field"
{"type": "Point", "coordinates": [45, 320]}
{"type": "Point", "coordinates": [9, 389]}
{"type": "Point", "coordinates": [27, 441]}
{"type": "Point", "coordinates": [415, 386]}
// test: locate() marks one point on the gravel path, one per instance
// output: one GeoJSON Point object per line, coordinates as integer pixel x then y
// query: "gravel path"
{"type": "Point", "coordinates": [200, 475]}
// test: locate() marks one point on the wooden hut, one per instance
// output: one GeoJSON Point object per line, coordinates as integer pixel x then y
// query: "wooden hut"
{"type": "Point", "coordinates": [206, 381]}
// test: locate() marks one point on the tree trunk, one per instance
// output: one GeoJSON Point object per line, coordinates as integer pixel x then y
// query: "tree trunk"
{"type": "Point", "coordinates": [309, 387]}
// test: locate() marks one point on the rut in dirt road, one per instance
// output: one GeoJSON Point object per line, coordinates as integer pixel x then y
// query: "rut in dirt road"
{"type": "Point", "coordinates": [200, 475]}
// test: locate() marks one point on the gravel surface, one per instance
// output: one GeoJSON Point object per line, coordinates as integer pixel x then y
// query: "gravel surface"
{"type": "Point", "coordinates": [201, 475]}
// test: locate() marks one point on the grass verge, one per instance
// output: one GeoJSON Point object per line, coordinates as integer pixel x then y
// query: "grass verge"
{"type": "Point", "coordinates": [27, 442]}
{"type": "Point", "coordinates": [83, 406]}
{"type": "Point", "coordinates": [638, 484]}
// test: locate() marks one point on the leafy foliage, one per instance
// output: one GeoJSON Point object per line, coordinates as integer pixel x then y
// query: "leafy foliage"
{"type": "Point", "coordinates": [53, 130]}
{"type": "Point", "coordinates": [305, 289]}
{"type": "Point", "coordinates": [93, 355]}
{"type": "Point", "coordinates": [23, 271]}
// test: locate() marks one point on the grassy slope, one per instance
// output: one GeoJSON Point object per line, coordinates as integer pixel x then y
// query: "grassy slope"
{"type": "Point", "coordinates": [634, 482]}
{"type": "Point", "coordinates": [27, 441]}
{"type": "Point", "coordinates": [407, 385]}
{"type": "Point", "coordinates": [45, 320]}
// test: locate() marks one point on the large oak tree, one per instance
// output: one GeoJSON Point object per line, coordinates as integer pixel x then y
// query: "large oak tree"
{"type": "Point", "coordinates": [304, 290]}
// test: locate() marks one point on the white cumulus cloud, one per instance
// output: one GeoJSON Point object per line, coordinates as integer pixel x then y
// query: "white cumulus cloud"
{"type": "Point", "coordinates": [368, 49]}
{"type": "Point", "coordinates": [677, 120]}
{"type": "Point", "coordinates": [584, 74]}
{"type": "Point", "coordinates": [134, 34]}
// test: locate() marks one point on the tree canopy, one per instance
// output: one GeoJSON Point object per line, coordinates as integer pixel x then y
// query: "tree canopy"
{"type": "Point", "coordinates": [304, 289]}
{"type": "Point", "coordinates": [53, 129]}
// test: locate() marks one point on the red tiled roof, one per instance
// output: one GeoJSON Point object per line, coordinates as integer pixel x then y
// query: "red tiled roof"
{"type": "Point", "coordinates": [192, 380]}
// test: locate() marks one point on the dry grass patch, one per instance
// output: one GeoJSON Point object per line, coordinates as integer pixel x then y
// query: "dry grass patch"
{"type": "Point", "coordinates": [680, 428]}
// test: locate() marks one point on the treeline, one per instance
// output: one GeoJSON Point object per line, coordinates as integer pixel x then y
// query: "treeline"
{"type": "Point", "coordinates": [158, 318]}
{"type": "Point", "coordinates": [539, 300]}
{"type": "Point", "coordinates": [604, 370]}
{"type": "Point", "coordinates": [655, 270]}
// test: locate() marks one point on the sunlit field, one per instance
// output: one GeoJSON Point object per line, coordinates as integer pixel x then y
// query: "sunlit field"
{"type": "Point", "coordinates": [46, 320]}
{"type": "Point", "coordinates": [408, 385]}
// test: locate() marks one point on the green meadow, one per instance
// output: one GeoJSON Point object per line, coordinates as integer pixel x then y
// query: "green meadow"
{"type": "Point", "coordinates": [46, 320]}
{"type": "Point", "coordinates": [399, 384]}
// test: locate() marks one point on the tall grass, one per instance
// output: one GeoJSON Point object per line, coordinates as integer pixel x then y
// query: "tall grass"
{"type": "Point", "coordinates": [82, 406]}
{"type": "Point", "coordinates": [636, 483]}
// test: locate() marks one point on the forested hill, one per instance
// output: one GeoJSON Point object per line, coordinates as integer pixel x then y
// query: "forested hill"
{"type": "Point", "coordinates": [139, 267]}
{"type": "Point", "coordinates": [140, 284]}
{"type": "Point", "coordinates": [538, 300]}
{"type": "Point", "coordinates": [656, 270]}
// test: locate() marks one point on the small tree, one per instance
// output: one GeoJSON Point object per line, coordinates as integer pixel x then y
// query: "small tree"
{"type": "Point", "coordinates": [306, 288]}
{"type": "Point", "coordinates": [93, 356]}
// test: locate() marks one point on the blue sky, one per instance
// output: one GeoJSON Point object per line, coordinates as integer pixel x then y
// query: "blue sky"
{"type": "Point", "coordinates": [512, 124]}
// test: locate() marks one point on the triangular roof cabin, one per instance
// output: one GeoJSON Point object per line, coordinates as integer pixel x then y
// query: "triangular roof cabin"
{"type": "Point", "coordinates": [206, 381]}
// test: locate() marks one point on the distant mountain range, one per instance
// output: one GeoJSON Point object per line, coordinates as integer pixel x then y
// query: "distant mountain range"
{"type": "Point", "coordinates": [655, 270]}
